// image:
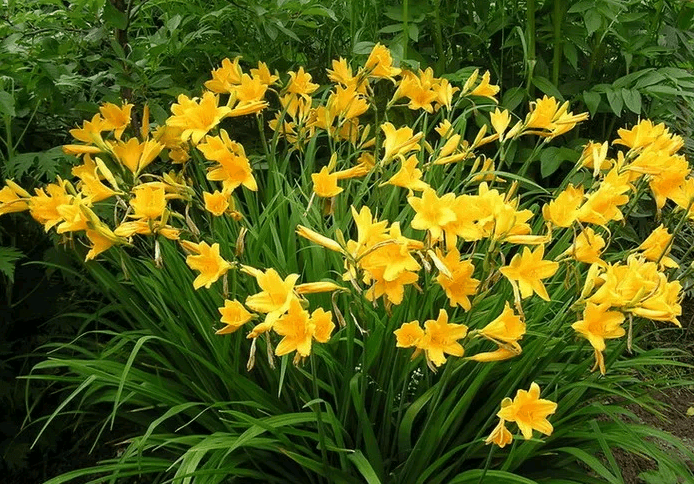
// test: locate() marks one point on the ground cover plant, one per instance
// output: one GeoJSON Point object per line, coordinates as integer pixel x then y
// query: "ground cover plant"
{"type": "Point", "coordinates": [364, 292]}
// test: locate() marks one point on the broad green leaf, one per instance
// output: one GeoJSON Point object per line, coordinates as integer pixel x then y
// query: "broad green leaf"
{"type": "Point", "coordinates": [632, 100]}
{"type": "Point", "coordinates": [513, 97]}
{"type": "Point", "coordinates": [593, 21]}
{"type": "Point", "coordinates": [361, 48]}
{"type": "Point", "coordinates": [7, 105]}
{"type": "Point", "coordinates": [614, 98]}
{"type": "Point", "coordinates": [552, 158]}
{"type": "Point", "coordinates": [592, 100]}
{"type": "Point", "coordinates": [114, 17]}
{"type": "Point", "coordinates": [546, 86]}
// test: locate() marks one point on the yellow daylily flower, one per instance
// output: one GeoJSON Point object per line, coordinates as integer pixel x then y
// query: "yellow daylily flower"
{"type": "Point", "coordinates": [209, 263]}
{"type": "Point", "coordinates": [116, 118]}
{"type": "Point", "coordinates": [216, 203]}
{"type": "Point", "coordinates": [528, 270]}
{"type": "Point", "coordinates": [656, 247]}
{"type": "Point", "coordinates": [234, 315]}
{"type": "Point", "coordinates": [226, 77]}
{"type": "Point", "coordinates": [597, 325]}
{"type": "Point", "coordinates": [409, 335]}
{"type": "Point", "coordinates": [149, 202]}
{"type": "Point", "coordinates": [325, 183]}
{"type": "Point", "coordinates": [441, 338]}
{"type": "Point", "coordinates": [507, 329]}
{"type": "Point", "coordinates": [300, 83]}
{"type": "Point", "coordinates": [135, 156]}
{"type": "Point", "coordinates": [460, 284]}
{"type": "Point", "coordinates": [563, 210]}
{"type": "Point", "coordinates": [409, 176]}
{"type": "Point", "coordinates": [380, 63]}
{"type": "Point", "coordinates": [485, 89]}
{"type": "Point", "coordinates": [197, 118]}
{"type": "Point", "coordinates": [432, 213]}
{"type": "Point", "coordinates": [500, 435]}
{"type": "Point", "coordinates": [528, 411]}
{"type": "Point", "coordinates": [587, 247]}
{"type": "Point", "coordinates": [276, 293]}
{"type": "Point", "coordinates": [399, 142]}
{"type": "Point", "coordinates": [13, 198]}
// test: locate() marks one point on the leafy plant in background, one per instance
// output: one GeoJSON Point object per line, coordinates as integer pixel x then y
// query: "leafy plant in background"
{"type": "Point", "coordinates": [324, 245]}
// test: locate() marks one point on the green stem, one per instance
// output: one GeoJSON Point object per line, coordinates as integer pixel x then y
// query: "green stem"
{"type": "Point", "coordinates": [487, 464]}
{"type": "Point", "coordinates": [438, 37]}
{"type": "Point", "coordinates": [558, 21]}
{"type": "Point", "coordinates": [319, 417]}
{"type": "Point", "coordinates": [684, 218]}
{"type": "Point", "coordinates": [530, 32]}
{"type": "Point", "coordinates": [405, 27]}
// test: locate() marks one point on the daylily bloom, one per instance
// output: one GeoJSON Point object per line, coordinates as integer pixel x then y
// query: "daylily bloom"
{"type": "Point", "coordinates": [323, 325]}
{"type": "Point", "coordinates": [90, 132]}
{"type": "Point", "coordinates": [275, 297]}
{"type": "Point", "coordinates": [233, 169]}
{"type": "Point", "coordinates": [216, 203]}
{"type": "Point", "coordinates": [380, 63]}
{"type": "Point", "coordinates": [563, 210]}
{"type": "Point", "coordinates": [528, 270]}
{"type": "Point", "coordinates": [594, 156]}
{"type": "Point", "coordinates": [409, 335]}
{"type": "Point", "coordinates": [548, 119]}
{"type": "Point", "coordinates": [226, 77]}
{"type": "Point", "coordinates": [597, 325]}
{"type": "Point", "coordinates": [149, 202]}
{"type": "Point", "coordinates": [656, 247]}
{"type": "Point", "coordinates": [299, 329]}
{"type": "Point", "coordinates": [263, 74]}
{"type": "Point", "coordinates": [146, 227]}
{"type": "Point", "coordinates": [197, 118]}
{"type": "Point", "coordinates": [295, 326]}
{"type": "Point", "coordinates": [300, 83]}
{"type": "Point", "coordinates": [587, 247]}
{"type": "Point", "coordinates": [102, 238]}
{"type": "Point", "coordinates": [441, 338]}
{"type": "Point", "coordinates": [500, 121]}
{"type": "Point", "coordinates": [135, 156]}
{"type": "Point", "coordinates": [90, 181]}
{"type": "Point", "coordinates": [43, 206]}
{"type": "Point", "coordinates": [342, 73]}
{"type": "Point", "coordinates": [507, 329]}
{"type": "Point", "coordinates": [500, 435]}
{"type": "Point", "coordinates": [432, 213]}
{"type": "Point", "coordinates": [409, 176]}
{"type": "Point", "coordinates": [325, 183]}
{"type": "Point", "coordinates": [234, 315]}
{"type": "Point", "coordinates": [418, 89]}
{"type": "Point", "coordinates": [13, 198]}
{"type": "Point", "coordinates": [399, 141]}
{"type": "Point", "coordinates": [210, 264]}
{"type": "Point", "coordinates": [528, 411]}
{"type": "Point", "coordinates": [460, 284]}
{"type": "Point", "coordinates": [116, 118]}
{"type": "Point", "coordinates": [484, 89]}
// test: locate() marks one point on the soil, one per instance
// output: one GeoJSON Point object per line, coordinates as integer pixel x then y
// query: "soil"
{"type": "Point", "coordinates": [678, 401]}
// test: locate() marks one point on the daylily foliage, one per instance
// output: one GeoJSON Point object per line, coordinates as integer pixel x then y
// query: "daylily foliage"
{"type": "Point", "coordinates": [413, 222]}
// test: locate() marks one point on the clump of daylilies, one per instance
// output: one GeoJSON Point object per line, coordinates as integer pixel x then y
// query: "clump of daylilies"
{"type": "Point", "coordinates": [136, 181]}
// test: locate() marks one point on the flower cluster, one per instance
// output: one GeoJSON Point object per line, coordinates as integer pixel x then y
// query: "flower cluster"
{"type": "Point", "coordinates": [433, 223]}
